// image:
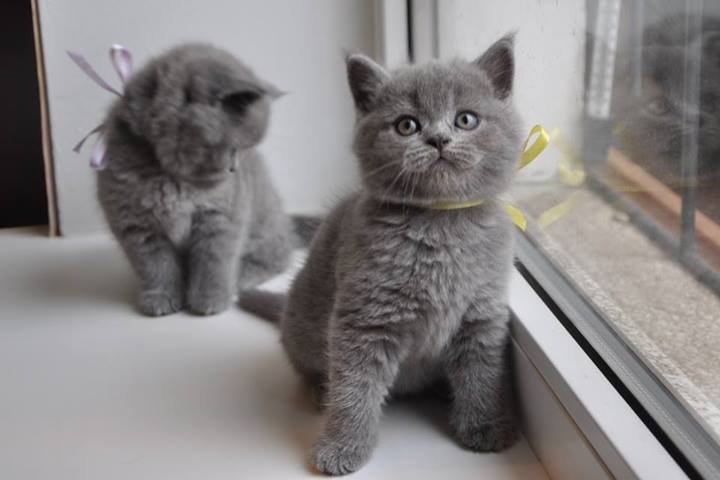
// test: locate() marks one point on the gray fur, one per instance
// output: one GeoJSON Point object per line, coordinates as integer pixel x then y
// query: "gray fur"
{"type": "Point", "coordinates": [394, 296]}
{"type": "Point", "coordinates": [185, 193]}
{"type": "Point", "coordinates": [305, 227]}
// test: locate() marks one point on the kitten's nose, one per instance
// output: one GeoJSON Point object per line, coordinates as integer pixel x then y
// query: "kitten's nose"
{"type": "Point", "coordinates": [438, 141]}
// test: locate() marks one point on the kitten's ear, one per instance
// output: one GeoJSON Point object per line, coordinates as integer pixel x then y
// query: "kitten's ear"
{"type": "Point", "coordinates": [365, 78]}
{"type": "Point", "coordinates": [271, 90]}
{"type": "Point", "coordinates": [498, 62]}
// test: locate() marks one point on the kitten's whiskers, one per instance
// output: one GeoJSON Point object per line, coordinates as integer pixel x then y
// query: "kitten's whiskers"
{"type": "Point", "coordinates": [375, 171]}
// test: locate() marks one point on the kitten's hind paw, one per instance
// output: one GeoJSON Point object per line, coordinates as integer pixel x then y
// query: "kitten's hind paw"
{"type": "Point", "coordinates": [156, 303]}
{"type": "Point", "coordinates": [488, 436]}
{"type": "Point", "coordinates": [334, 457]}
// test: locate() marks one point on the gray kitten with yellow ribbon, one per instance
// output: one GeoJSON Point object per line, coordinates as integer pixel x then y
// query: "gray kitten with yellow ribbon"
{"type": "Point", "coordinates": [406, 281]}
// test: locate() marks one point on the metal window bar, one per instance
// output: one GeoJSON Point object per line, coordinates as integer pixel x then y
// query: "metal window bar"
{"type": "Point", "coordinates": [689, 160]}
{"type": "Point", "coordinates": [638, 21]}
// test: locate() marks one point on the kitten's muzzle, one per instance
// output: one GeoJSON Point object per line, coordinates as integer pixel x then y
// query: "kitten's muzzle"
{"type": "Point", "coordinates": [438, 141]}
{"type": "Point", "coordinates": [218, 167]}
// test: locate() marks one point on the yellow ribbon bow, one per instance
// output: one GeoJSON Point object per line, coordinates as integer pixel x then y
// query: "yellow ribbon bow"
{"type": "Point", "coordinates": [529, 153]}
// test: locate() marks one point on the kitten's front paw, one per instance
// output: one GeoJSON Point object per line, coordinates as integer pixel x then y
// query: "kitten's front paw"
{"type": "Point", "coordinates": [490, 436]}
{"type": "Point", "coordinates": [156, 303]}
{"type": "Point", "coordinates": [340, 457]}
{"type": "Point", "coordinates": [206, 301]}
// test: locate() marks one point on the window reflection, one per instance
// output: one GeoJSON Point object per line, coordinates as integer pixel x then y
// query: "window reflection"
{"type": "Point", "coordinates": [654, 118]}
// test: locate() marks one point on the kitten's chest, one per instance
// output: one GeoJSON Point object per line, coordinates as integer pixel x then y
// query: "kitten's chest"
{"type": "Point", "coordinates": [434, 272]}
{"type": "Point", "coordinates": [171, 207]}
{"type": "Point", "coordinates": [437, 270]}
{"type": "Point", "coordinates": [443, 258]}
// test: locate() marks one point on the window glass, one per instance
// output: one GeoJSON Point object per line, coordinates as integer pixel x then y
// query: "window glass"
{"type": "Point", "coordinates": [631, 214]}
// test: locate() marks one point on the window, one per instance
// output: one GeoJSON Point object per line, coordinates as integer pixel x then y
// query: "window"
{"type": "Point", "coordinates": [624, 206]}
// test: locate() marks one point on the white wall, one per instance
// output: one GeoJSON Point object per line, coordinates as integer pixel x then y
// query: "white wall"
{"type": "Point", "coordinates": [550, 45]}
{"type": "Point", "coordinates": [295, 44]}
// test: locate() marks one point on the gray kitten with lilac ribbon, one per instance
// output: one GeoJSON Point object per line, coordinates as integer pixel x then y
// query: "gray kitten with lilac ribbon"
{"type": "Point", "coordinates": [398, 294]}
{"type": "Point", "coordinates": [184, 191]}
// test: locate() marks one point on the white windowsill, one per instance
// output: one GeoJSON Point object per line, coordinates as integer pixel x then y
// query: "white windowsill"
{"type": "Point", "coordinates": [91, 389]}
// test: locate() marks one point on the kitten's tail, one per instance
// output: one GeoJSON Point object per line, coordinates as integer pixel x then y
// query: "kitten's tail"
{"type": "Point", "coordinates": [305, 228]}
{"type": "Point", "coordinates": [267, 305]}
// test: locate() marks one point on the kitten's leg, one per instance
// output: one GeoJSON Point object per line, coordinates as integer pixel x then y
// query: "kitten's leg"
{"type": "Point", "coordinates": [266, 254]}
{"type": "Point", "coordinates": [269, 244]}
{"type": "Point", "coordinates": [304, 326]}
{"type": "Point", "coordinates": [212, 255]}
{"type": "Point", "coordinates": [155, 260]}
{"type": "Point", "coordinates": [363, 365]}
{"type": "Point", "coordinates": [303, 337]}
{"type": "Point", "coordinates": [264, 262]}
{"type": "Point", "coordinates": [479, 370]}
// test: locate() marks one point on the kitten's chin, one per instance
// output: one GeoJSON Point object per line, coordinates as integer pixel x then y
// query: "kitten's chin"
{"type": "Point", "coordinates": [215, 179]}
{"type": "Point", "coordinates": [204, 180]}
{"type": "Point", "coordinates": [203, 174]}
{"type": "Point", "coordinates": [212, 180]}
{"type": "Point", "coordinates": [426, 188]}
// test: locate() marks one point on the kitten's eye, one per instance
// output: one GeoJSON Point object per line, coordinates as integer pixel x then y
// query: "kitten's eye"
{"type": "Point", "coordinates": [658, 106]}
{"type": "Point", "coordinates": [467, 120]}
{"type": "Point", "coordinates": [406, 126]}
{"type": "Point", "coordinates": [237, 102]}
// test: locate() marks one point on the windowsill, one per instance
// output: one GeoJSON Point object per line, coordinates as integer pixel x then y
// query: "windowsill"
{"type": "Point", "coordinates": [94, 390]}
{"type": "Point", "coordinates": [91, 389]}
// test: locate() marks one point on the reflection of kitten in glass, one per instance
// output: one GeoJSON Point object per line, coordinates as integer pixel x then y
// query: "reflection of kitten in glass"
{"type": "Point", "coordinates": [185, 193]}
{"type": "Point", "coordinates": [653, 124]}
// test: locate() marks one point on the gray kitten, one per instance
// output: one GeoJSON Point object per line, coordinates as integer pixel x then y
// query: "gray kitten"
{"type": "Point", "coordinates": [395, 295]}
{"type": "Point", "coordinates": [184, 191]}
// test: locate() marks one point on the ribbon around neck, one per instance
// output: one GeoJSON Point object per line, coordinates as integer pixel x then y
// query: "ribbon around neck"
{"type": "Point", "coordinates": [456, 205]}
{"type": "Point", "coordinates": [121, 60]}
{"type": "Point", "coordinates": [526, 157]}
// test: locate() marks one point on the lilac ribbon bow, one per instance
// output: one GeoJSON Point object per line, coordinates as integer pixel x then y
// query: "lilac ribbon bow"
{"type": "Point", "coordinates": [121, 59]}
